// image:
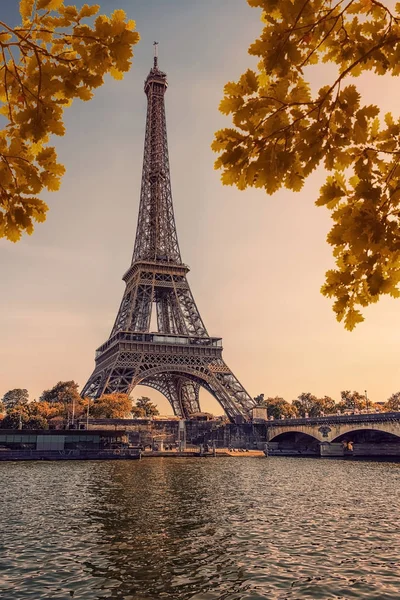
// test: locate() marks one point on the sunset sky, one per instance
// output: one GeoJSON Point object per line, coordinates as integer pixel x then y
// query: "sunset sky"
{"type": "Point", "coordinates": [257, 262]}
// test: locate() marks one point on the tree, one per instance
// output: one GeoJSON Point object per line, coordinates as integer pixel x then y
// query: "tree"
{"type": "Point", "coordinates": [15, 397]}
{"type": "Point", "coordinates": [352, 401]}
{"type": "Point", "coordinates": [146, 405]}
{"type": "Point", "coordinates": [15, 418]}
{"type": "Point", "coordinates": [65, 401]}
{"type": "Point", "coordinates": [112, 406]}
{"type": "Point", "coordinates": [277, 407]}
{"type": "Point", "coordinates": [305, 404]}
{"type": "Point", "coordinates": [45, 410]}
{"type": "Point", "coordinates": [137, 412]}
{"type": "Point", "coordinates": [24, 416]}
{"type": "Point", "coordinates": [282, 132]}
{"type": "Point", "coordinates": [393, 403]}
{"type": "Point", "coordinates": [47, 62]}
{"type": "Point", "coordinates": [325, 405]}
{"type": "Point", "coordinates": [64, 392]}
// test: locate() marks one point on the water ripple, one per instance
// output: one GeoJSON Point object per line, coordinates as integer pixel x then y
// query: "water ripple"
{"type": "Point", "coordinates": [224, 529]}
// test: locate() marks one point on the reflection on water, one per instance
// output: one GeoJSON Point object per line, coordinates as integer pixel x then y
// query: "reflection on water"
{"type": "Point", "coordinates": [192, 529]}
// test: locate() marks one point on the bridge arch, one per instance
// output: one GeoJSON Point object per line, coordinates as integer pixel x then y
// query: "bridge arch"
{"type": "Point", "coordinates": [391, 428]}
{"type": "Point", "coordinates": [367, 435]}
{"type": "Point", "coordinates": [331, 430]}
{"type": "Point", "coordinates": [281, 436]}
{"type": "Point", "coordinates": [294, 443]}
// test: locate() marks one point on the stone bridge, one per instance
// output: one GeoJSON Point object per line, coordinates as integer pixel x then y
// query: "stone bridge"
{"type": "Point", "coordinates": [368, 434]}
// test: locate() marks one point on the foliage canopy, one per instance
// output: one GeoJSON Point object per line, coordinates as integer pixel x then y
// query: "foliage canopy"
{"type": "Point", "coordinates": [393, 403]}
{"type": "Point", "coordinates": [282, 132]}
{"type": "Point", "coordinates": [53, 57]}
{"type": "Point", "coordinates": [64, 392]}
{"type": "Point", "coordinates": [15, 397]}
{"type": "Point", "coordinates": [145, 407]}
{"type": "Point", "coordinates": [112, 406]}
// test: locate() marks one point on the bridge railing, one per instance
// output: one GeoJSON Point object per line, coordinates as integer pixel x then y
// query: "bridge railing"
{"type": "Point", "coordinates": [333, 419]}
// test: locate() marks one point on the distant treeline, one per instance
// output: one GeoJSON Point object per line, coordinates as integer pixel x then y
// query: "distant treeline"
{"type": "Point", "coordinates": [308, 405]}
{"type": "Point", "coordinates": [62, 405]}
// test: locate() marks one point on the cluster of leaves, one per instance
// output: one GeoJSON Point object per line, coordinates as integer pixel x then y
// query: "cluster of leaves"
{"type": "Point", "coordinates": [112, 406]}
{"type": "Point", "coordinates": [308, 404]}
{"type": "Point", "coordinates": [393, 403]}
{"type": "Point", "coordinates": [47, 62]}
{"type": "Point", "coordinates": [282, 132]}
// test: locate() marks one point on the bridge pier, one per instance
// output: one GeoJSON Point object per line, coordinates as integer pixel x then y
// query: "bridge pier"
{"type": "Point", "coordinates": [331, 450]}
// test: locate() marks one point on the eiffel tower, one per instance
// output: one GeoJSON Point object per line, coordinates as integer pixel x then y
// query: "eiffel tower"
{"type": "Point", "coordinates": [181, 356]}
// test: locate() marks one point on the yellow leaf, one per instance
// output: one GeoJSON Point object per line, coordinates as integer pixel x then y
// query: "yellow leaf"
{"type": "Point", "coordinates": [118, 16]}
{"type": "Point", "coordinates": [26, 8]}
{"type": "Point", "coordinates": [294, 181]}
{"type": "Point", "coordinates": [49, 4]}
{"type": "Point", "coordinates": [88, 11]}
{"type": "Point", "coordinates": [228, 105]}
{"type": "Point", "coordinates": [251, 80]}
{"type": "Point", "coordinates": [5, 37]}
{"type": "Point", "coordinates": [360, 133]}
{"type": "Point", "coordinates": [229, 177]}
{"type": "Point", "coordinates": [116, 73]}
{"type": "Point", "coordinates": [12, 231]}
{"type": "Point", "coordinates": [84, 93]}
{"type": "Point", "coordinates": [353, 317]}
{"type": "Point", "coordinates": [52, 182]}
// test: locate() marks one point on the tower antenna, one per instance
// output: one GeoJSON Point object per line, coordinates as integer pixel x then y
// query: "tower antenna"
{"type": "Point", "coordinates": [155, 44]}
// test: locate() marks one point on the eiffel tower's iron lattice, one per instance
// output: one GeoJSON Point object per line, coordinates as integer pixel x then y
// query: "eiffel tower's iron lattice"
{"type": "Point", "coordinates": [181, 356]}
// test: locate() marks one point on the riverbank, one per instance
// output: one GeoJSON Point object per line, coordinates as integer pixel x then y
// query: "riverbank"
{"type": "Point", "coordinates": [118, 454]}
{"type": "Point", "coordinates": [192, 453]}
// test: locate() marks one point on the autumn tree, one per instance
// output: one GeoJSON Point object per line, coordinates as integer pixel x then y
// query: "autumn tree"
{"type": "Point", "coordinates": [351, 401]}
{"type": "Point", "coordinates": [55, 56]}
{"type": "Point", "coordinates": [44, 409]}
{"type": "Point", "coordinates": [65, 400]}
{"type": "Point", "coordinates": [147, 407]}
{"type": "Point", "coordinates": [24, 416]}
{"type": "Point", "coordinates": [393, 403]}
{"type": "Point", "coordinates": [64, 392]}
{"type": "Point", "coordinates": [283, 130]}
{"type": "Point", "coordinates": [309, 404]}
{"type": "Point", "coordinates": [137, 412]}
{"type": "Point", "coordinates": [377, 407]}
{"type": "Point", "coordinates": [325, 406]}
{"type": "Point", "coordinates": [15, 418]}
{"type": "Point", "coordinates": [305, 404]}
{"type": "Point", "coordinates": [112, 406]}
{"type": "Point", "coordinates": [15, 397]}
{"type": "Point", "coordinates": [277, 407]}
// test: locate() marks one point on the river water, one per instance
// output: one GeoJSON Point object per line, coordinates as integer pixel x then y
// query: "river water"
{"type": "Point", "coordinates": [200, 529]}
